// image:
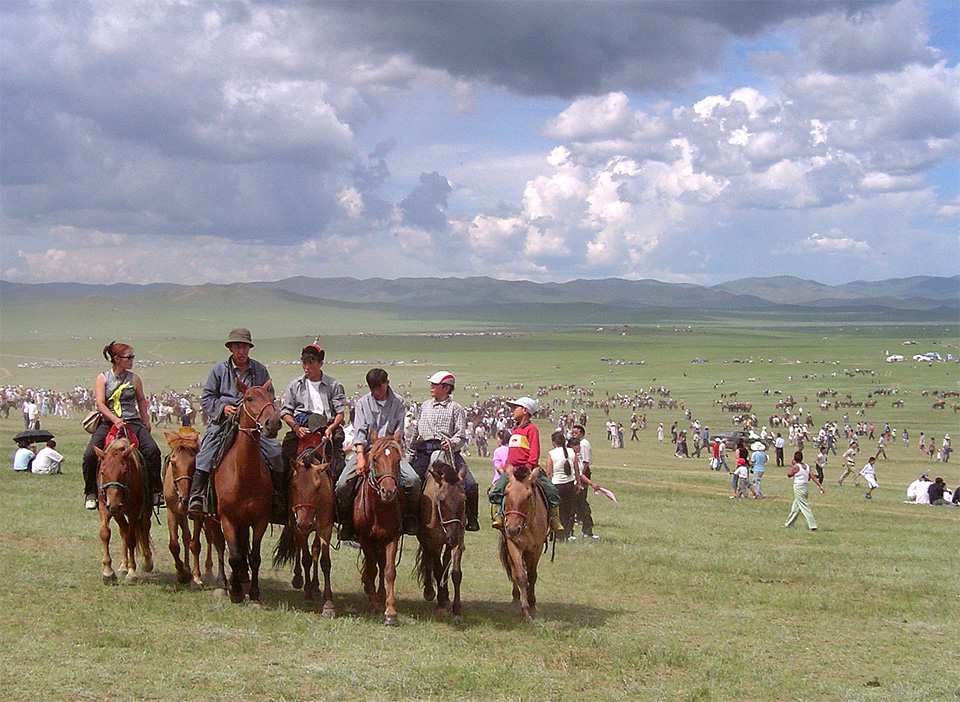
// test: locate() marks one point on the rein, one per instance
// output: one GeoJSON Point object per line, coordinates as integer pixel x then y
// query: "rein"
{"type": "Point", "coordinates": [256, 419]}
{"type": "Point", "coordinates": [375, 479]}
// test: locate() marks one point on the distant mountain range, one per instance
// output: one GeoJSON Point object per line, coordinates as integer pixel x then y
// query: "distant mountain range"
{"type": "Point", "coordinates": [781, 293]}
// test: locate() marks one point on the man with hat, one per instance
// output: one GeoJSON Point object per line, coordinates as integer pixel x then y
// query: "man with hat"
{"type": "Point", "coordinates": [442, 427]}
{"type": "Point", "coordinates": [524, 450]}
{"type": "Point", "coordinates": [219, 399]}
{"type": "Point", "coordinates": [382, 411]}
{"type": "Point", "coordinates": [312, 402]}
{"type": "Point", "coordinates": [758, 465]}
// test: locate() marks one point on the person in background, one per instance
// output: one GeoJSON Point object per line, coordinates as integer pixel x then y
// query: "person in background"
{"type": "Point", "coordinates": [849, 460]}
{"type": "Point", "coordinates": [23, 456]}
{"type": "Point", "coordinates": [800, 472]}
{"type": "Point", "coordinates": [869, 473]}
{"type": "Point", "coordinates": [758, 464]}
{"type": "Point", "coordinates": [584, 450]}
{"type": "Point", "coordinates": [500, 454]}
{"type": "Point", "coordinates": [48, 461]}
{"type": "Point", "coordinates": [563, 469]}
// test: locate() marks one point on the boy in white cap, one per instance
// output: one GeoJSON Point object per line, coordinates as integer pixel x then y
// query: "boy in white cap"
{"type": "Point", "coordinates": [442, 426]}
{"type": "Point", "coordinates": [524, 450]}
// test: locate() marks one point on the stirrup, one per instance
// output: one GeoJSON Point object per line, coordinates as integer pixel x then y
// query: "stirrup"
{"type": "Point", "coordinates": [555, 524]}
{"type": "Point", "coordinates": [497, 522]}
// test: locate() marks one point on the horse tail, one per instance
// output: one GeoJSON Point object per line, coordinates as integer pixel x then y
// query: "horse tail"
{"type": "Point", "coordinates": [422, 567]}
{"type": "Point", "coordinates": [285, 551]}
{"type": "Point", "coordinates": [505, 557]}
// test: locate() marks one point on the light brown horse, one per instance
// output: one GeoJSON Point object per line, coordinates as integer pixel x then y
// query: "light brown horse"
{"type": "Point", "coordinates": [376, 514]}
{"type": "Point", "coordinates": [122, 496]}
{"type": "Point", "coordinates": [245, 490]}
{"type": "Point", "coordinates": [443, 513]}
{"type": "Point", "coordinates": [177, 478]}
{"type": "Point", "coordinates": [310, 511]}
{"type": "Point", "coordinates": [525, 529]}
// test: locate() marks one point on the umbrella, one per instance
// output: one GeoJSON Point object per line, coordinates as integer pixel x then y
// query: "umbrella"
{"type": "Point", "coordinates": [606, 493]}
{"type": "Point", "coordinates": [34, 436]}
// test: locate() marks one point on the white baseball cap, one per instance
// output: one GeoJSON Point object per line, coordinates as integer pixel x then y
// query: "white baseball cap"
{"type": "Point", "coordinates": [528, 403]}
{"type": "Point", "coordinates": [443, 378]}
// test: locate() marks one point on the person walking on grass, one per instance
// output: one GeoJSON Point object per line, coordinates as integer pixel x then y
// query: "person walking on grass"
{"type": "Point", "coordinates": [801, 474]}
{"type": "Point", "coordinates": [869, 473]}
{"type": "Point", "coordinates": [849, 460]}
{"type": "Point", "coordinates": [758, 460]}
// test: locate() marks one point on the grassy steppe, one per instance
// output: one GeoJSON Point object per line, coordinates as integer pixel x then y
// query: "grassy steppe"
{"type": "Point", "coordinates": [688, 596]}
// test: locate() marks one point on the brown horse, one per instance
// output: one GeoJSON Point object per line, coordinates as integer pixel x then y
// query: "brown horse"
{"type": "Point", "coordinates": [443, 506]}
{"type": "Point", "coordinates": [525, 528]}
{"type": "Point", "coordinates": [176, 489]}
{"type": "Point", "coordinates": [310, 510]}
{"type": "Point", "coordinates": [122, 496]}
{"type": "Point", "coordinates": [376, 514]}
{"type": "Point", "coordinates": [244, 490]}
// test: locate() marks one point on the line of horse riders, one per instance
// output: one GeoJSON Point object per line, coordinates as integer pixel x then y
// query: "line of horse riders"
{"type": "Point", "coordinates": [313, 409]}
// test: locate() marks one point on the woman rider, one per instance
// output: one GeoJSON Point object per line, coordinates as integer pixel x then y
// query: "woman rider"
{"type": "Point", "coordinates": [122, 404]}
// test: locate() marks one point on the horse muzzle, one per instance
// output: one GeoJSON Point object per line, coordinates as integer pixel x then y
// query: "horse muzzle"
{"type": "Point", "coordinates": [271, 427]}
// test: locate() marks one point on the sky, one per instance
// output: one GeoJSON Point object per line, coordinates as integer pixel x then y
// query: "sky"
{"type": "Point", "coordinates": [683, 141]}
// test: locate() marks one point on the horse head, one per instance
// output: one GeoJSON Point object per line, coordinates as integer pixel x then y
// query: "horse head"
{"type": "Point", "coordinates": [518, 499]}
{"type": "Point", "coordinates": [450, 500]}
{"type": "Point", "coordinates": [306, 483]}
{"type": "Point", "coordinates": [257, 409]}
{"type": "Point", "coordinates": [385, 455]}
{"type": "Point", "coordinates": [114, 475]}
{"type": "Point", "coordinates": [182, 461]}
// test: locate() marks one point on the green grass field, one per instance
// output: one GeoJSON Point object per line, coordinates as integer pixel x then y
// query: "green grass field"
{"type": "Point", "coordinates": [688, 596]}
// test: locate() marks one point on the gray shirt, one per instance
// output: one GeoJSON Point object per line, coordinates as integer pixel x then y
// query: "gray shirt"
{"type": "Point", "coordinates": [221, 390]}
{"type": "Point", "coordinates": [296, 398]}
{"type": "Point", "coordinates": [368, 414]}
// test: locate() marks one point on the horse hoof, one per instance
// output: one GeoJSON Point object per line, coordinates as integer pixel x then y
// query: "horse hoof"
{"type": "Point", "coordinates": [391, 620]}
{"type": "Point", "coordinates": [255, 604]}
{"type": "Point", "coordinates": [184, 578]}
{"type": "Point", "coordinates": [148, 567]}
{"type": "Point", "coordinates": [297, 582]}
{"type": "Point", "coordinates": [220, 592]}
{"type": "Point", "coordinates": [237, 599]}
{"type": "Point", "coordinates": [328, 614]}
{"type": "Point", "coordinates": [109, 579]}
{"type": "Point", "coordinates": [196, 586]}
{"type": "Point", "coordinates": [458, 620]}
{"type": "Point", "coordinates": [428, 594]}
{"type": "Point", "coordinates": [130, 580]}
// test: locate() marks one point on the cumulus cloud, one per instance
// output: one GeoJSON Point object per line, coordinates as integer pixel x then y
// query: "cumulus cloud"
{"type": "Point", "coordinates": [835, 244]}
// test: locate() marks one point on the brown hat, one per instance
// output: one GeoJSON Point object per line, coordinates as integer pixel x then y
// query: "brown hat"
{"type": "Point", "coordinates": [239, 336]}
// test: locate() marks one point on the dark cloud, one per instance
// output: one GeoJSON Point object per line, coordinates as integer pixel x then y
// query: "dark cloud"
{"type": "Point", "coordinates": [424, 206]}
{"type": "Point", "coordinates": [568, 49]}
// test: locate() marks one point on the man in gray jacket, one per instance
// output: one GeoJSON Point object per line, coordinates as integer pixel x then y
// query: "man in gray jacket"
{"type": "Point", "coordinates": [219, 399]}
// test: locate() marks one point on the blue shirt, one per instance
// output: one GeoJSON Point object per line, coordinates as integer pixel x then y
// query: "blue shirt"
{"type": "Point", "coordinates": [759, 459]}
{"type": "Point", "coordinates": [21, 459]}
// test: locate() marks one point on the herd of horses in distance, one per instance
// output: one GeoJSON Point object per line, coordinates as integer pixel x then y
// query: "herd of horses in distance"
{"type": "Point", "coordinates": [241, 514]}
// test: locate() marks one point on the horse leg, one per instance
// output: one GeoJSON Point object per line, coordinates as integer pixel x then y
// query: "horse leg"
{"type": "Point", "coordinates": [175, 527]}
{"type": "Point", "coordinates": [215, 534]}
{"type": "Point", "coordinates": [532, 559]}
{"type": "Point", "coordinates": [456, 575]}
{"type": "Point", "coordinates": [307, 557]}
{"type": "Point", "coordinates": [328, 609]}
{"type": "Point", "coordinates": [108, 576]}
{"type": "Point", "coordinates": [143, 538]}
{"type": "Point", "coordinates": [208, 563]}
{"type": "Point", "coordinates": [128, 532]}
{"type": "Point", "coordinates": [382, 571]}
{"type": "Point", "coordinates": [236, 559]}
{"type": "Point", "coordinates": [390, 571]}
{"type": "Point", "coordinates": [314, 572]}
{"type": "Point", "coordinates": [253, 556]}
{"type": "Point", "coordinates": [519, 578]}
{"type": "Point", "coordinates": [193, 537]}
{"type": "Point", "coordinates": [369, 574]}
{"type": "Point", "coordinates": [429, 571]}
{"type": "Point", "coordinates": [297, 581]}
{"type": "Point", "coordinates": [443, 590]}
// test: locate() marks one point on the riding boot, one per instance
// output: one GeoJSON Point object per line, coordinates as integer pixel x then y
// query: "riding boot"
{"type": "Point", "coordinates": [473, 510]}
{"type": "Point", "coordinates": [157, 488]}
{"type": "Point", "coordinates": [198, 490]}
{"type": "Point", "coordinates": [555, 524]}
{"type": "Point", "coordinates": [496, 514]}
{"type": "Point", "coordinates": [411, 511]}
{"type": "Point", "coordinates": [278, 507]}
{"type": "Point", "coordinates": [345, 498]}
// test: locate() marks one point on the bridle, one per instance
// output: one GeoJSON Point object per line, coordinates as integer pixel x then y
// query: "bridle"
{"type": "Point", "coordinates": [524, 515]}
{"type": "Point", "coordinates": [302, 458]}
{"type": "Point", "coordinates": [376, 479]}
{"type": "Point", "coordinates": [258, 429]}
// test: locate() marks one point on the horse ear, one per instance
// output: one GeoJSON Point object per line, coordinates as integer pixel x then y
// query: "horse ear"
{"type": "Point", "coordinates": [241, 387]}
{"type": "Point", "coordinates": [397, 434]}
{"type": "Point", "coordinates": [130, 449]}
{"type": "Point", "coordinates": [171, 438]}
{"type": "Point", "coordinates": [534, 474]}
{"type": "Point", "coordinates": [437, 475]}
{"type": "Point", "coordinates": [373, 435]}
{"type": "Point", "coordinates": [268, 386]}
{"type": "Point", "coordinates": [99, 451]}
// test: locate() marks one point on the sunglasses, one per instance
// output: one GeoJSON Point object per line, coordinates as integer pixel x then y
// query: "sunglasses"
{"type": "Point", "coordinates": [129, 358]}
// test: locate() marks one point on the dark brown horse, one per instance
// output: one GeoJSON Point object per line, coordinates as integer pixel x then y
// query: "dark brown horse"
{"type": "Point", "coordinates": [443, 506]}
{"type": "Point", "coordinates": [376, 515]}
{"type": "Point", "coordinates": [177, 478]}
{"type": "Point", "coordinates": [244, 490]}
{"type": "Point", "coordinates": [525, 528]}
{"type": "Point", "coordinates": [122, 496]}
{"type": "Point", "coordinates": [310, 511]}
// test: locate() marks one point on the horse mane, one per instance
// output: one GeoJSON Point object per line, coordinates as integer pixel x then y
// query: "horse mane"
{"type": "Point", "coordinates": [447, 472]}
{"type": "Point", "coordinates": [188, 442]}
{"type": "Point", "coordinates": [521, 472]}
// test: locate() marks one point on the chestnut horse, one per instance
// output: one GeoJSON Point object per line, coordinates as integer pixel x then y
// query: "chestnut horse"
{"type": "Point", "coordinates": [122, 496]}
{"type": "Point", "coordinates": [443, 506]}
{"type": "Point", "coordinates": [310, 510]}
{"type": "Point", "coordinates": [525, 529]}
{"type": "Point", "coordinates": [177, 477]}
{"type": "Point", "coordinates": [376, 515]}
{"type": "Point", "coordinates": [244, 490]}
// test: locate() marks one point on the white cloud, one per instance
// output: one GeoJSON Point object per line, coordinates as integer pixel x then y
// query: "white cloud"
{"type": "Point", "coordinates": [835, 244]}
